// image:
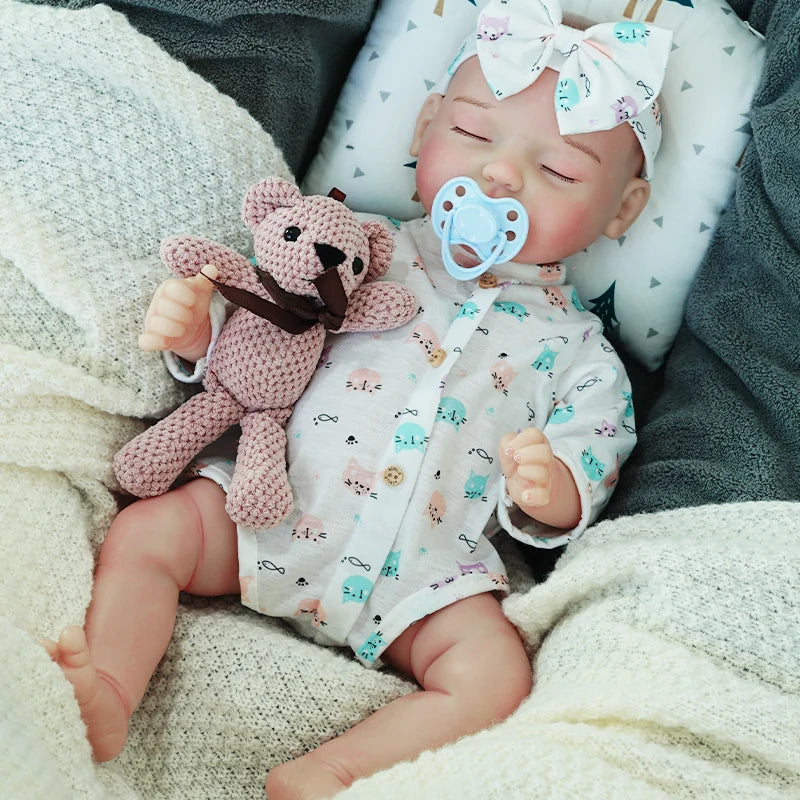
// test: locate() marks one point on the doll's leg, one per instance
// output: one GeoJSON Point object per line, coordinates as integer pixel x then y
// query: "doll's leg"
{"type": "Point", "coordinates": [474, 670]}
{"type": "Point", "coordinates": [180, 541]}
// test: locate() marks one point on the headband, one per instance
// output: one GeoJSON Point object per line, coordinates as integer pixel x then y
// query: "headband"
{"type": "Point", "coordinates": [610, 73]}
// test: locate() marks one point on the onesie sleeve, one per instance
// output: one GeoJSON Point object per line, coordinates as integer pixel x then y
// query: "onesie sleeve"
{"type": "Point", "coordinates": [184, 371]}
{"type": "Point", "coordinates": [591, 429]}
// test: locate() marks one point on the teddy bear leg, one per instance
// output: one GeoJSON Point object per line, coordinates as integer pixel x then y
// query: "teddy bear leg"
{"type": "Point", "coordinates": [259, 495]}
{"type": "Point", "coordinates": [149, 464]}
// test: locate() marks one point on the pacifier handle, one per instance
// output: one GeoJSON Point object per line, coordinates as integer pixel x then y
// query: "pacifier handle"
{"type": "Point", "coordinates": [495, 228]}
{"type": "Point", "coordinates": [454, 268]}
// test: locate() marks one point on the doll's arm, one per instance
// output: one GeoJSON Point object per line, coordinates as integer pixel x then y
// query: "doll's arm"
{"type": "Point", "coordinates": [579, 450]}
{"type": "Point", "coordinates": [379, 306]}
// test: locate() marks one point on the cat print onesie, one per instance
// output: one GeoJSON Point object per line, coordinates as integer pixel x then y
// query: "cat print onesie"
{"type": "Point", "coordinates": [392, 449]}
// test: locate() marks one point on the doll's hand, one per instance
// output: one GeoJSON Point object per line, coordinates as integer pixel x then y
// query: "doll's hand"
{"type": "Point", "coordinates": [177, 318]}
{"type": "Point", "coordinates": [527, 461]}
{"type": "Point", "coordinates": [540, 484]}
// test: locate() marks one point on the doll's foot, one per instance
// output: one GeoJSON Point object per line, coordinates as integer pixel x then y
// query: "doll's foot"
{"type": "Point", "coordinates": [306, 778]}
{"type": "Point", "coordinates": [103, 709]}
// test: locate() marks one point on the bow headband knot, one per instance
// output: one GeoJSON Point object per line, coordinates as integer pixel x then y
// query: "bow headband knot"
{"type": "Point", "coordinates": [610, 73]}
{"type": "Point", "coordinates": [566, 39]}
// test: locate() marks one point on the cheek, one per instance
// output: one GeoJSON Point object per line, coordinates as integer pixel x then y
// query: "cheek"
{"type": "Point", "coordinates": [562, 227]}
{"type": "Point", "coordinates": [435, 166]}
{"type": "Point", "coordinates": [557, 230]}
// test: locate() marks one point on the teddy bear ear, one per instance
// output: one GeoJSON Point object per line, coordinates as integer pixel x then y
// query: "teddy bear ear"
{"type": "Point", "coordinates": [263, 198]}
{"type": "Point", "coordinates": [381, 248]}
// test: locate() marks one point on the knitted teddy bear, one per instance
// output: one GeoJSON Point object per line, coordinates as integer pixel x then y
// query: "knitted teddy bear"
{"type": "Point", "coordinates": [315, 270]}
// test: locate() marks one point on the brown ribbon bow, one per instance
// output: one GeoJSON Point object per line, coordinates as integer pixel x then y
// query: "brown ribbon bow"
{"type": "Point", "coordinates": [294, 313]}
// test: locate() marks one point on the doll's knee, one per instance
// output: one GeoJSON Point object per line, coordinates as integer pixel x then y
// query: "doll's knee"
{"type": "Point", "coordinates": [515, 673]}
{"type": "Point", "coordinates": [484, 650]}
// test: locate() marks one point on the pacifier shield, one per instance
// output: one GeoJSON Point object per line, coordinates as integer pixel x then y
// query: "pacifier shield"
{"type": "Point", "coordinates": [473, 222]}
{"type": "Point", "coordinates": [495, 228]}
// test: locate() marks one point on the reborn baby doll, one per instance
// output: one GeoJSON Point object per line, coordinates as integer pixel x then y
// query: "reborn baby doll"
{"type": "Point", "coordinates": [503, 393]}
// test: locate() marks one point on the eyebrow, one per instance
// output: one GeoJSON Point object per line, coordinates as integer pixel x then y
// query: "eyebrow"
{"type": "Point", "coordinates": [584, 148]}
{"type": "Point", "coordinates": [472, 101]}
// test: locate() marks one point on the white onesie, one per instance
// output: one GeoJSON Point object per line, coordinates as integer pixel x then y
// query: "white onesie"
{"type": "Point", "coordinates": [392, 449]}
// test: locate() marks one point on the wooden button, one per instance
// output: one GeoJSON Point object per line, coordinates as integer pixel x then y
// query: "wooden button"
{"type": "Point", "coordinates": [393, 475]}
{"type": "Point", "coordinates": [487, 281]}
{"type": "Point", "coordinates": [437, 357]}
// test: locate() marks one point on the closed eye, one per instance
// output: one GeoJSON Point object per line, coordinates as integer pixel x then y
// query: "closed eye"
{"type": "Point", "coordinates": [558, 175]}
{"type": "Point", "coordinates": [462, 132]}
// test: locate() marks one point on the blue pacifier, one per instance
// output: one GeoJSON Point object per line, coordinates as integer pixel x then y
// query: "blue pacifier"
{"type": "Point", "coordinates": [495, 229]}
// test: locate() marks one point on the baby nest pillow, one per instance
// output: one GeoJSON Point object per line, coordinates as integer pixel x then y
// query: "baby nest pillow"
{"type": "Point", "coordinates": [637, 284]}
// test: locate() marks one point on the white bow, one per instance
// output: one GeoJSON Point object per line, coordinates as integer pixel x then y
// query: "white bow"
{"type": "Point", "coordinates": [609, 73]}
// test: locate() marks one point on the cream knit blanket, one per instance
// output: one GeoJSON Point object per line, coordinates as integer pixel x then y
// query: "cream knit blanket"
{"type": "Point", "coordinates": [666, 645]}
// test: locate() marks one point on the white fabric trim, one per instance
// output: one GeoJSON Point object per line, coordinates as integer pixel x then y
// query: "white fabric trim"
{"type": "Point", "coordinates": [505, 503]}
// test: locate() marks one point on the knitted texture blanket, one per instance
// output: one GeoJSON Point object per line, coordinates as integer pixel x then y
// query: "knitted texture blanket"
{"type": "Point", "coordinates": [305, 47]}
{"type": "Point", "coordinates": [664, 644]}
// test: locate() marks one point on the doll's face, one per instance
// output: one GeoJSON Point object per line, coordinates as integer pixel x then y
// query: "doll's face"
{"type": "Point", "coordinates": [575, 188]}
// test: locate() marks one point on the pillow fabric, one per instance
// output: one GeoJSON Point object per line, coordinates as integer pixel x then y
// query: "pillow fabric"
{"type": "Point", "coordinates": [637, 284]}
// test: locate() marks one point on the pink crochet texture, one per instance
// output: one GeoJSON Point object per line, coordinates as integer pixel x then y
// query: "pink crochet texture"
{"type": "Point", "coordinates": [257, 371]}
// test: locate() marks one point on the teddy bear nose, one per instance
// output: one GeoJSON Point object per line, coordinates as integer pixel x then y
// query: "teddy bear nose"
{"type": "Point", "coordinates": [329, 255]}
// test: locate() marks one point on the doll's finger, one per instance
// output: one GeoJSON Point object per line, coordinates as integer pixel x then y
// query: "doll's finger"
{"type": "Point", "coordinates": [525, 494]}
{"type": "Point", "coordinates": [200, 284]}
{"type": "Point", "coordinates": [523, 439]}
{"type": "Point", "coordinates": [180, 290]}
{"type": "Point", "coordinates": [527, 437]}
{"type": "Point", "coordinates": [534, 454]}
{"type": "Point", "coordinates": [208, 271]}
{"type": "Point", "coordinates": [165, 327]}
{"type": "Point", "coordinates": [535, 496]}
{"type": "Point", "coordinates": [506, 453]}
{"type": "Point", "coordinates": [152, 341]}
{"type": "Point", "coordinates": [537, 474]}
{"type": "Point", "coordinates": [169, 309]}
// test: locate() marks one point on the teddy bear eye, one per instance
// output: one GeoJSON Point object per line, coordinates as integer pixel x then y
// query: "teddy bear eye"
{"type": "Point", "coordinates": [292, 234]}
{"type": "Point", "coordinates": [358, 266]}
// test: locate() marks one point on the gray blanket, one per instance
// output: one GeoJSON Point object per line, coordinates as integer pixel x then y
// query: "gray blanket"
{"type": "Point", "coordinates": [307, 46]}
{"type": "Point", "coordinates": [726, 426]}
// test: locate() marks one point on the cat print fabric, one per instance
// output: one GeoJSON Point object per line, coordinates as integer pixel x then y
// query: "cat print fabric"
{"type": "Point", "coordinates": [392, 449]}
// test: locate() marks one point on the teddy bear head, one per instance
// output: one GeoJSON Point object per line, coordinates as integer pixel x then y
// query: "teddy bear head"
{"type": "Point", "coordinates": [297, 238]}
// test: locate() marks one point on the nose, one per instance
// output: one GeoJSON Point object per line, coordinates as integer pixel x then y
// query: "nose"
{"type": "Point", "coordinates": [329, 255]}
{"type": "Point", "coordinates": [502, 173]}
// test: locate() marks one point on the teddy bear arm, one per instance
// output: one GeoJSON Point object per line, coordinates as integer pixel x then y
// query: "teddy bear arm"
{"type": "Point", "coordinates": [379, 306]}
{"type": "Point", "coordinates": [186, 256]}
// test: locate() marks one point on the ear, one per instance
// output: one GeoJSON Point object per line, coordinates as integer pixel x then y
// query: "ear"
{"type": "Point", "coordinates": [634, 198]}
{"type": "Point", "coordinates": [263, 198]}
{"type": "Point", "coordinates": [381, 249]}
{"type": "Point", "coordinates": [428, 111]}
